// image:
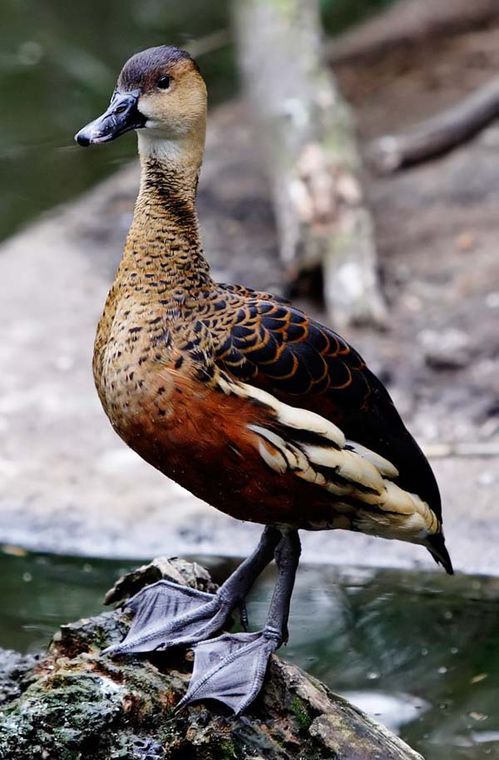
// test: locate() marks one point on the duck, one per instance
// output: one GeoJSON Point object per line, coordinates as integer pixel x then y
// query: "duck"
{"type": "Point", "coordinates": [237, 395]}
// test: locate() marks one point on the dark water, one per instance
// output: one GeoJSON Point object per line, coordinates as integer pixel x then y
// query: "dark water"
{"type": "Point", "coordinates": [58, 64]}
{"type": "Point", "coordinates": [420, 652]}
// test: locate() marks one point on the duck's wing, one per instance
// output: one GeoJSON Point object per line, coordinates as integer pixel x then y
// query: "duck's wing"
{"type": "Point", "coordinates": [278, 348]}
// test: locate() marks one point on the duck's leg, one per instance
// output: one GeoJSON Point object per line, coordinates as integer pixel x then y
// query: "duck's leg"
{"type": "Point", "coordinates": [167, 614]}
{"type": "Point", "coordinates": [231, 668]}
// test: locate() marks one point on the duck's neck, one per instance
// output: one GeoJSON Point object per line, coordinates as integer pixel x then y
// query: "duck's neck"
{"type": "Point", "coordinates": [164, 243]}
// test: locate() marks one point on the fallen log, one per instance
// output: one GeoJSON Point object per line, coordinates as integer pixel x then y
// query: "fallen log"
{"type": "Point", "coordinates": [73, 702]}
{"type": "Point", "coordinates": [307, 137]}
{"type": "Point", "coordinates": [438, 135]}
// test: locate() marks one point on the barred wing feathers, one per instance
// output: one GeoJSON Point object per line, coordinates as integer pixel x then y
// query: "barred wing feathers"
{"type": "Point", "coordinates": [307, 368]}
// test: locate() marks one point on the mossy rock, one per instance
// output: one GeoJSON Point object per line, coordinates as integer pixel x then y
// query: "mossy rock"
{"type": "Point", "coordinates": [73, 703]}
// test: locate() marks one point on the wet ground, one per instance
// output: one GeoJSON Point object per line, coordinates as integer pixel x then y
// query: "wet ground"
{"type": "Point", "coordinates": [416, 651]}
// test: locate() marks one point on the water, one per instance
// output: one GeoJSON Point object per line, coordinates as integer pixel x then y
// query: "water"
{"type": "Point", "coordinates": [58, 66]}
{"type": "Point", "coordinates": [418, 651]}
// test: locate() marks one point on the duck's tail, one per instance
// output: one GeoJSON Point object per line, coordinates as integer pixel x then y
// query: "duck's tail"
{"type": "Point", "coordinates": [436, 546]}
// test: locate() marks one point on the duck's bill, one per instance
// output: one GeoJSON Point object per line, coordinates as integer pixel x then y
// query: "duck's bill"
{"type": "Point", "coordinates": [122, 116]}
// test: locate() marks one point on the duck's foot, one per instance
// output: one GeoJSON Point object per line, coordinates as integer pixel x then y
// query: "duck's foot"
{"type": "Point", "coordinates": [168, 615]}
{"type": "Point", "coordinates": [231, 668]}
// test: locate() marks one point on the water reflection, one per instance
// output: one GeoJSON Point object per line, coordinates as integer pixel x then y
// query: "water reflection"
{"type": "Point", "coordinates": [429, 643]}
{"type": "Point", "coordinates": [418, 651]}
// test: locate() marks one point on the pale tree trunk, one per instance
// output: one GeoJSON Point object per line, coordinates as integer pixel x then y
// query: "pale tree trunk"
{"type": "Point", "coordinates": [307, 136]}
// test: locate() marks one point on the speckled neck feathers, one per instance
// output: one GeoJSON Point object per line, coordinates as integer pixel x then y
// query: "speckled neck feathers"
{"type": "Point", "coordinates": [164, 235]}
{"type": "Point", "coordinates": [163, 247]}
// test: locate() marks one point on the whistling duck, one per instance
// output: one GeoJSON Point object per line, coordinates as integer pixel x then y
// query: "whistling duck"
{"type": "Point", "coordinates": [237, 395]}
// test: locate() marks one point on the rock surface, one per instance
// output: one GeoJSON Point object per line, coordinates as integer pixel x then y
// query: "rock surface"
{"type": "Point", "coordinates": [72, 702]}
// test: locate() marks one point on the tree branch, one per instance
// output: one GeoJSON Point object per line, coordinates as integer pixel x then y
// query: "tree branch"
{"type": "Point", "coordinates": [438, 135]}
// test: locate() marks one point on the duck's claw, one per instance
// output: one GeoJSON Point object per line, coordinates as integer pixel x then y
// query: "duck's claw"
{"type": "Point", "coordinates": [167, 615]}
{"type": "Point", "coordinates": [230, 669]}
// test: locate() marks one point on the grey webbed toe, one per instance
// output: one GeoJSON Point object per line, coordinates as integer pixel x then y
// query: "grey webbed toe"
{"type": "Point", "coordinates": [230, 669]}
{"type": "Point", "coordinates": [167, 615]}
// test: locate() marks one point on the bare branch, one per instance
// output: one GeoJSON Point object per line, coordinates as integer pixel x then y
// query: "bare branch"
{"type": "Point", "coordinates": [439, 134]}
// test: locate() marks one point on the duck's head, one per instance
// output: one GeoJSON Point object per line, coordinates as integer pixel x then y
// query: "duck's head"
{"type": "Point", "coordinates": [159, 92]}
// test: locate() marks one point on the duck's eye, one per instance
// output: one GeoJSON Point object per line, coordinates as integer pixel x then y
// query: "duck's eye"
{"type": "Point", "coordinates": [163, 82]}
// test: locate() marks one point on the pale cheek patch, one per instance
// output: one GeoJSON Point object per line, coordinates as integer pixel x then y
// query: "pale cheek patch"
{"type": "Point", "coordinates": [159, 146]}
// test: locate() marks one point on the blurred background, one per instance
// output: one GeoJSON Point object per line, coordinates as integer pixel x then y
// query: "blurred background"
{"type": "Point", "coordinates": [76, 506]}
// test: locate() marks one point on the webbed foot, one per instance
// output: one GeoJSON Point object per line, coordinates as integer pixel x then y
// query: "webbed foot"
{"type": "Point", "coordinates": [167, 615]}
{"type": "Point", "coordinates": [231, 668]}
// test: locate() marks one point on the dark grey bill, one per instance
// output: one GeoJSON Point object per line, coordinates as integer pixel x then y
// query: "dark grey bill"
{"type": "Point", "coordinates": [121, 116]}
